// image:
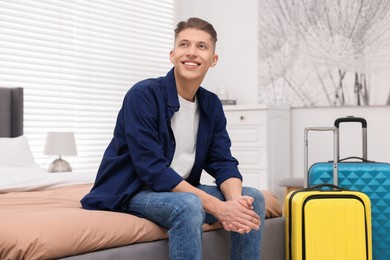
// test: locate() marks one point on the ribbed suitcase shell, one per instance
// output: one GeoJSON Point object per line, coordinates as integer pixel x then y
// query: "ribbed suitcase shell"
{"type": "Point", "coordinates": [372, 178]}
{"type": "Point", "coordinates": [324, 225]}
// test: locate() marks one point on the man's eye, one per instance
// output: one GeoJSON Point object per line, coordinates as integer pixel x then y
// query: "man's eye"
{"type": "Point", "coordinates": [184, 44]}
{"type": "Point", "coordinates": [202, 46]}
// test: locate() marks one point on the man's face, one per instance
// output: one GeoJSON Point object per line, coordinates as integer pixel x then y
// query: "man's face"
{"type": "Point", "coordinates": [193, 54]}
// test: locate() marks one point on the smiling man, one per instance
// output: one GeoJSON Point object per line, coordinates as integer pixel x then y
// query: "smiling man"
{"type": "Point", "coordinates": [168, 131]}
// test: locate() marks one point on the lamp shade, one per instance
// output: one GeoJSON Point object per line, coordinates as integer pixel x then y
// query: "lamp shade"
{"type": "Point", "coordinates": [60, 143]}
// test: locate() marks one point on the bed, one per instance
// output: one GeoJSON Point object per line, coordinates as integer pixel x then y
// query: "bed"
{"type": "Point", "coordinates": [42, 218]}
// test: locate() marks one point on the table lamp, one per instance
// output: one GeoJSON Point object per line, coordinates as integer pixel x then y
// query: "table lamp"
{"type": "Point", "coordinates": [60, 143]}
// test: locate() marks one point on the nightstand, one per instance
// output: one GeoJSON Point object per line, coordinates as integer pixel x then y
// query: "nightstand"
{"type": "Point", "coordinates": [260, 138]}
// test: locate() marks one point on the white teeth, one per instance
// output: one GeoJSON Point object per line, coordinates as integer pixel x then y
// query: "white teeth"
{"type": "Point", "coordinates": [190, 63]}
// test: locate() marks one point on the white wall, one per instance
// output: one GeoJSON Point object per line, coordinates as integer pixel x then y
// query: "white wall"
{"type": "Point", "coordinates": [320, 143]}
{"type": "Point", "coordinates": [236, 24]}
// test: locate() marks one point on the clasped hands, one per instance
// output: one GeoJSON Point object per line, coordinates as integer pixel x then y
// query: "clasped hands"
{"type": "Point", "coordinates": [237, 215]}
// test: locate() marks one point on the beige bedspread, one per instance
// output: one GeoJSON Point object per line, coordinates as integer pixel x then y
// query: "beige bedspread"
{"type": "Point", "coordinates": [50, 223]}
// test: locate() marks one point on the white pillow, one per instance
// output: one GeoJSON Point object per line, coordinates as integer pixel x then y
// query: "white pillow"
{"type": "Point", "coordinates": [15, 152]}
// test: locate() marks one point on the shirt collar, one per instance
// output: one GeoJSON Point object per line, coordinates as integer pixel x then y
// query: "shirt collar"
{"type": "Point", "coordinates": [172, 95]}
{"type": "Point", "coordinates": [172, 99]}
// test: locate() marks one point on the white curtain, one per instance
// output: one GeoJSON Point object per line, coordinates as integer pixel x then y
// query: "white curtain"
{"type": "Point", "coordinates": [76, 59]}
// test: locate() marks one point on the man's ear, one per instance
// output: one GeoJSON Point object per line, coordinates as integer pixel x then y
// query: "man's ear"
{"type": "Point", "coordinates": [171, 56]}
{"type": "Point", "coordinates": [214, 61]}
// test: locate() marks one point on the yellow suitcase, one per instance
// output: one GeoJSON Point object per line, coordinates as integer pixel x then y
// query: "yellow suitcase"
{"type": "Point", "coordinates": [331, 224]}
{"type": "Point", "coordinates": [325, 222]}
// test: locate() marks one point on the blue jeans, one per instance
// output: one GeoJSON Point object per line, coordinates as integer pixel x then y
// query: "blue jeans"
{"type": "Point", "coordinates": [183, 215]}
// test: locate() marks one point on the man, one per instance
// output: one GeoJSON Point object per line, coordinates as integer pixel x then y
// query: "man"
{"type": "Point", "coordinates": [168, 130]}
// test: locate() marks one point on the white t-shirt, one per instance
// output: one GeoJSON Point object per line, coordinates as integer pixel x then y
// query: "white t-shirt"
{"type": "Point", "coordinates": [184, 125]}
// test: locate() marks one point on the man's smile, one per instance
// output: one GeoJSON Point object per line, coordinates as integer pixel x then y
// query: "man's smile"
{"type": "Point", "coordinates": [191, 63]}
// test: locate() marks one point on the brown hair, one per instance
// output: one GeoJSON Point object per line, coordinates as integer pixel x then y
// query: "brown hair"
{"type": "Point", "coordinates": [197, 23]}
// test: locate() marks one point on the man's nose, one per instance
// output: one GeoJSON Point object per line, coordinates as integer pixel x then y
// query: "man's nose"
{"type": "Point", "coordinates": [192, 51]}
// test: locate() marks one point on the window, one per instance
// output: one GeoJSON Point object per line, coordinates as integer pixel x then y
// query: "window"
{"type": "Point", "coordinates": [76, 60]}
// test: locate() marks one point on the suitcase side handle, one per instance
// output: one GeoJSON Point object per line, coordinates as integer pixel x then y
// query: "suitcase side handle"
{"type": "Point", "coordinates": [357, 158]}
{"type": "Point", "coordinates": [364, 131]}
{"type": "Point", "coordinates": [335, 152]}
{"type": "Point", "coordinates": [324, 185]}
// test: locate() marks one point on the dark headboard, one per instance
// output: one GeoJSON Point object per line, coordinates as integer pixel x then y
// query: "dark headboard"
{"type": "Point", "coordinates": [11, 112]}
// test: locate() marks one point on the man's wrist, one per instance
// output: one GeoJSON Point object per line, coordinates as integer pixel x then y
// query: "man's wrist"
{"type": "Point", "coordinates": [233, 196]}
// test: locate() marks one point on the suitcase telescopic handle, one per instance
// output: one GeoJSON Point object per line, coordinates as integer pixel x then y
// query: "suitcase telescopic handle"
{"type": "Point", "coordinates": [306, 152]}
{"type": "Point", "coordinates": [350, 119]}
{"type": "Point", "coordinates": [361, 120]}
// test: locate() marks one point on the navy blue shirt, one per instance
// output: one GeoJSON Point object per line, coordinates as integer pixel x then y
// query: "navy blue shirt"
{"type": "Point", "coordinates": [142, 148]}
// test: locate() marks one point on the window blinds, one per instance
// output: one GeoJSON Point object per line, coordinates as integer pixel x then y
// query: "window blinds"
{"type": "Point", "coordinates": [76, 60]}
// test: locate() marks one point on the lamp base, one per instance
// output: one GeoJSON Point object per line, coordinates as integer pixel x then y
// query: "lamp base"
{"type": "Point", "coordinates": [59, 165]}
